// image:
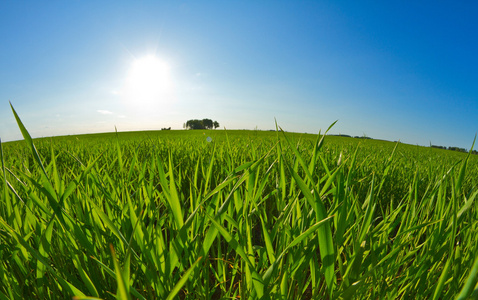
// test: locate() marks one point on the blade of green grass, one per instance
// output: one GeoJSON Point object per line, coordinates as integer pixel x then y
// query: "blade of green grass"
{"type": "Point", "coordinates": [123, 284]}
{"type": "Point", "coordinates": [183, 280]}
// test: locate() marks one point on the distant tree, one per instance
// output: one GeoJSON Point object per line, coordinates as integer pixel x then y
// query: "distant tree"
{"type": "Point", "coordinates": [208, 123]}
{"type": "Point", "coordinates": [201, 124]}
{"type": "Point", "coordinates": [216, 124]}
{"type": "Point", "coordinates": [194, 124]}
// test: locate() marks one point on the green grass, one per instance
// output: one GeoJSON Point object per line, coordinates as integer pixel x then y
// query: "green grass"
{"type": "Point", "coordinates": [260, 215]}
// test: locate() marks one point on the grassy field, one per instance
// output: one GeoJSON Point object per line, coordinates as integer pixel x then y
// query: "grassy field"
{"type": "Point", "coordinates": [238, 215]}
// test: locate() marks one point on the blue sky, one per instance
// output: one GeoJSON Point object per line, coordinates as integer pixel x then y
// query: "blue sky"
{"type": "Point", "coordinates": [386, 69]}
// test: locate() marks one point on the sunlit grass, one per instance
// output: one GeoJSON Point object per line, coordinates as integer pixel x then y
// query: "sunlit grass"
{"type": "Point", "coordinates": [249, 214]}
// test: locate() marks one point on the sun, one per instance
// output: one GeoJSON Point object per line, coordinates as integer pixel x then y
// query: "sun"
{"type": "Point", "coordinates": [148, 81]}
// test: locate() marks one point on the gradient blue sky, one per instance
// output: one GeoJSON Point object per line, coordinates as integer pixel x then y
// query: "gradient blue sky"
{"type": "Point", "coordinates": [392, 70]}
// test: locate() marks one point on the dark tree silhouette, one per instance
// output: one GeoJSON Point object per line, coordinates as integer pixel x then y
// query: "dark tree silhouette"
{"type": "Point", "coordinates": [208, 123]}
{"type": "Point", "coordinates": [201, 124]}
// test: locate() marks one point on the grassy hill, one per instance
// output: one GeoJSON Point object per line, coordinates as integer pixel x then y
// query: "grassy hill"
{"type": "Point", "coordinates": [214, 214]}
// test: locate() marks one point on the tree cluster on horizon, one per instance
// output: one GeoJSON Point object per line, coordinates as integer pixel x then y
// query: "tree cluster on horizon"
{"type": "Point", "coordinates": [201, 124]}
{"type": "Point", "coordinates": [454, 149]}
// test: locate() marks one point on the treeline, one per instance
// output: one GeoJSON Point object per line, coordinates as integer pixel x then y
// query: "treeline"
{"type": "Point", "coordinates": [454, 149]}
{"type": "Point", "coordinates": [355, 137]}
{"type": "Point", "coordinates": [201, 124]}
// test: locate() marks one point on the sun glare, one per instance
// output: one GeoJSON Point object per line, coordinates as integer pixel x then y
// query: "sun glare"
{"type": "Point", "coordinates": [149, 81]}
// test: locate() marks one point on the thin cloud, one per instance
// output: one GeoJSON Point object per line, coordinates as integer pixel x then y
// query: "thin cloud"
{"type": "Point", "coordinates": [104, 112]}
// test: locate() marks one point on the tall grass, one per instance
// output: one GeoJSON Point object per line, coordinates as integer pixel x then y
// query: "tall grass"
{"type": "Point", "coordinates": [255, 215]}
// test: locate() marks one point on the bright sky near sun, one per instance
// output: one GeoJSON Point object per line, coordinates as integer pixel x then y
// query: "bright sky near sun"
{"type": "Point", "coordinates": [392, 70]}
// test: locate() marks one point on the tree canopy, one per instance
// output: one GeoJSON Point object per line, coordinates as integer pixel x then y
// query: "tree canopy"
{"type": "Point", "coordinates": [202, 124]}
